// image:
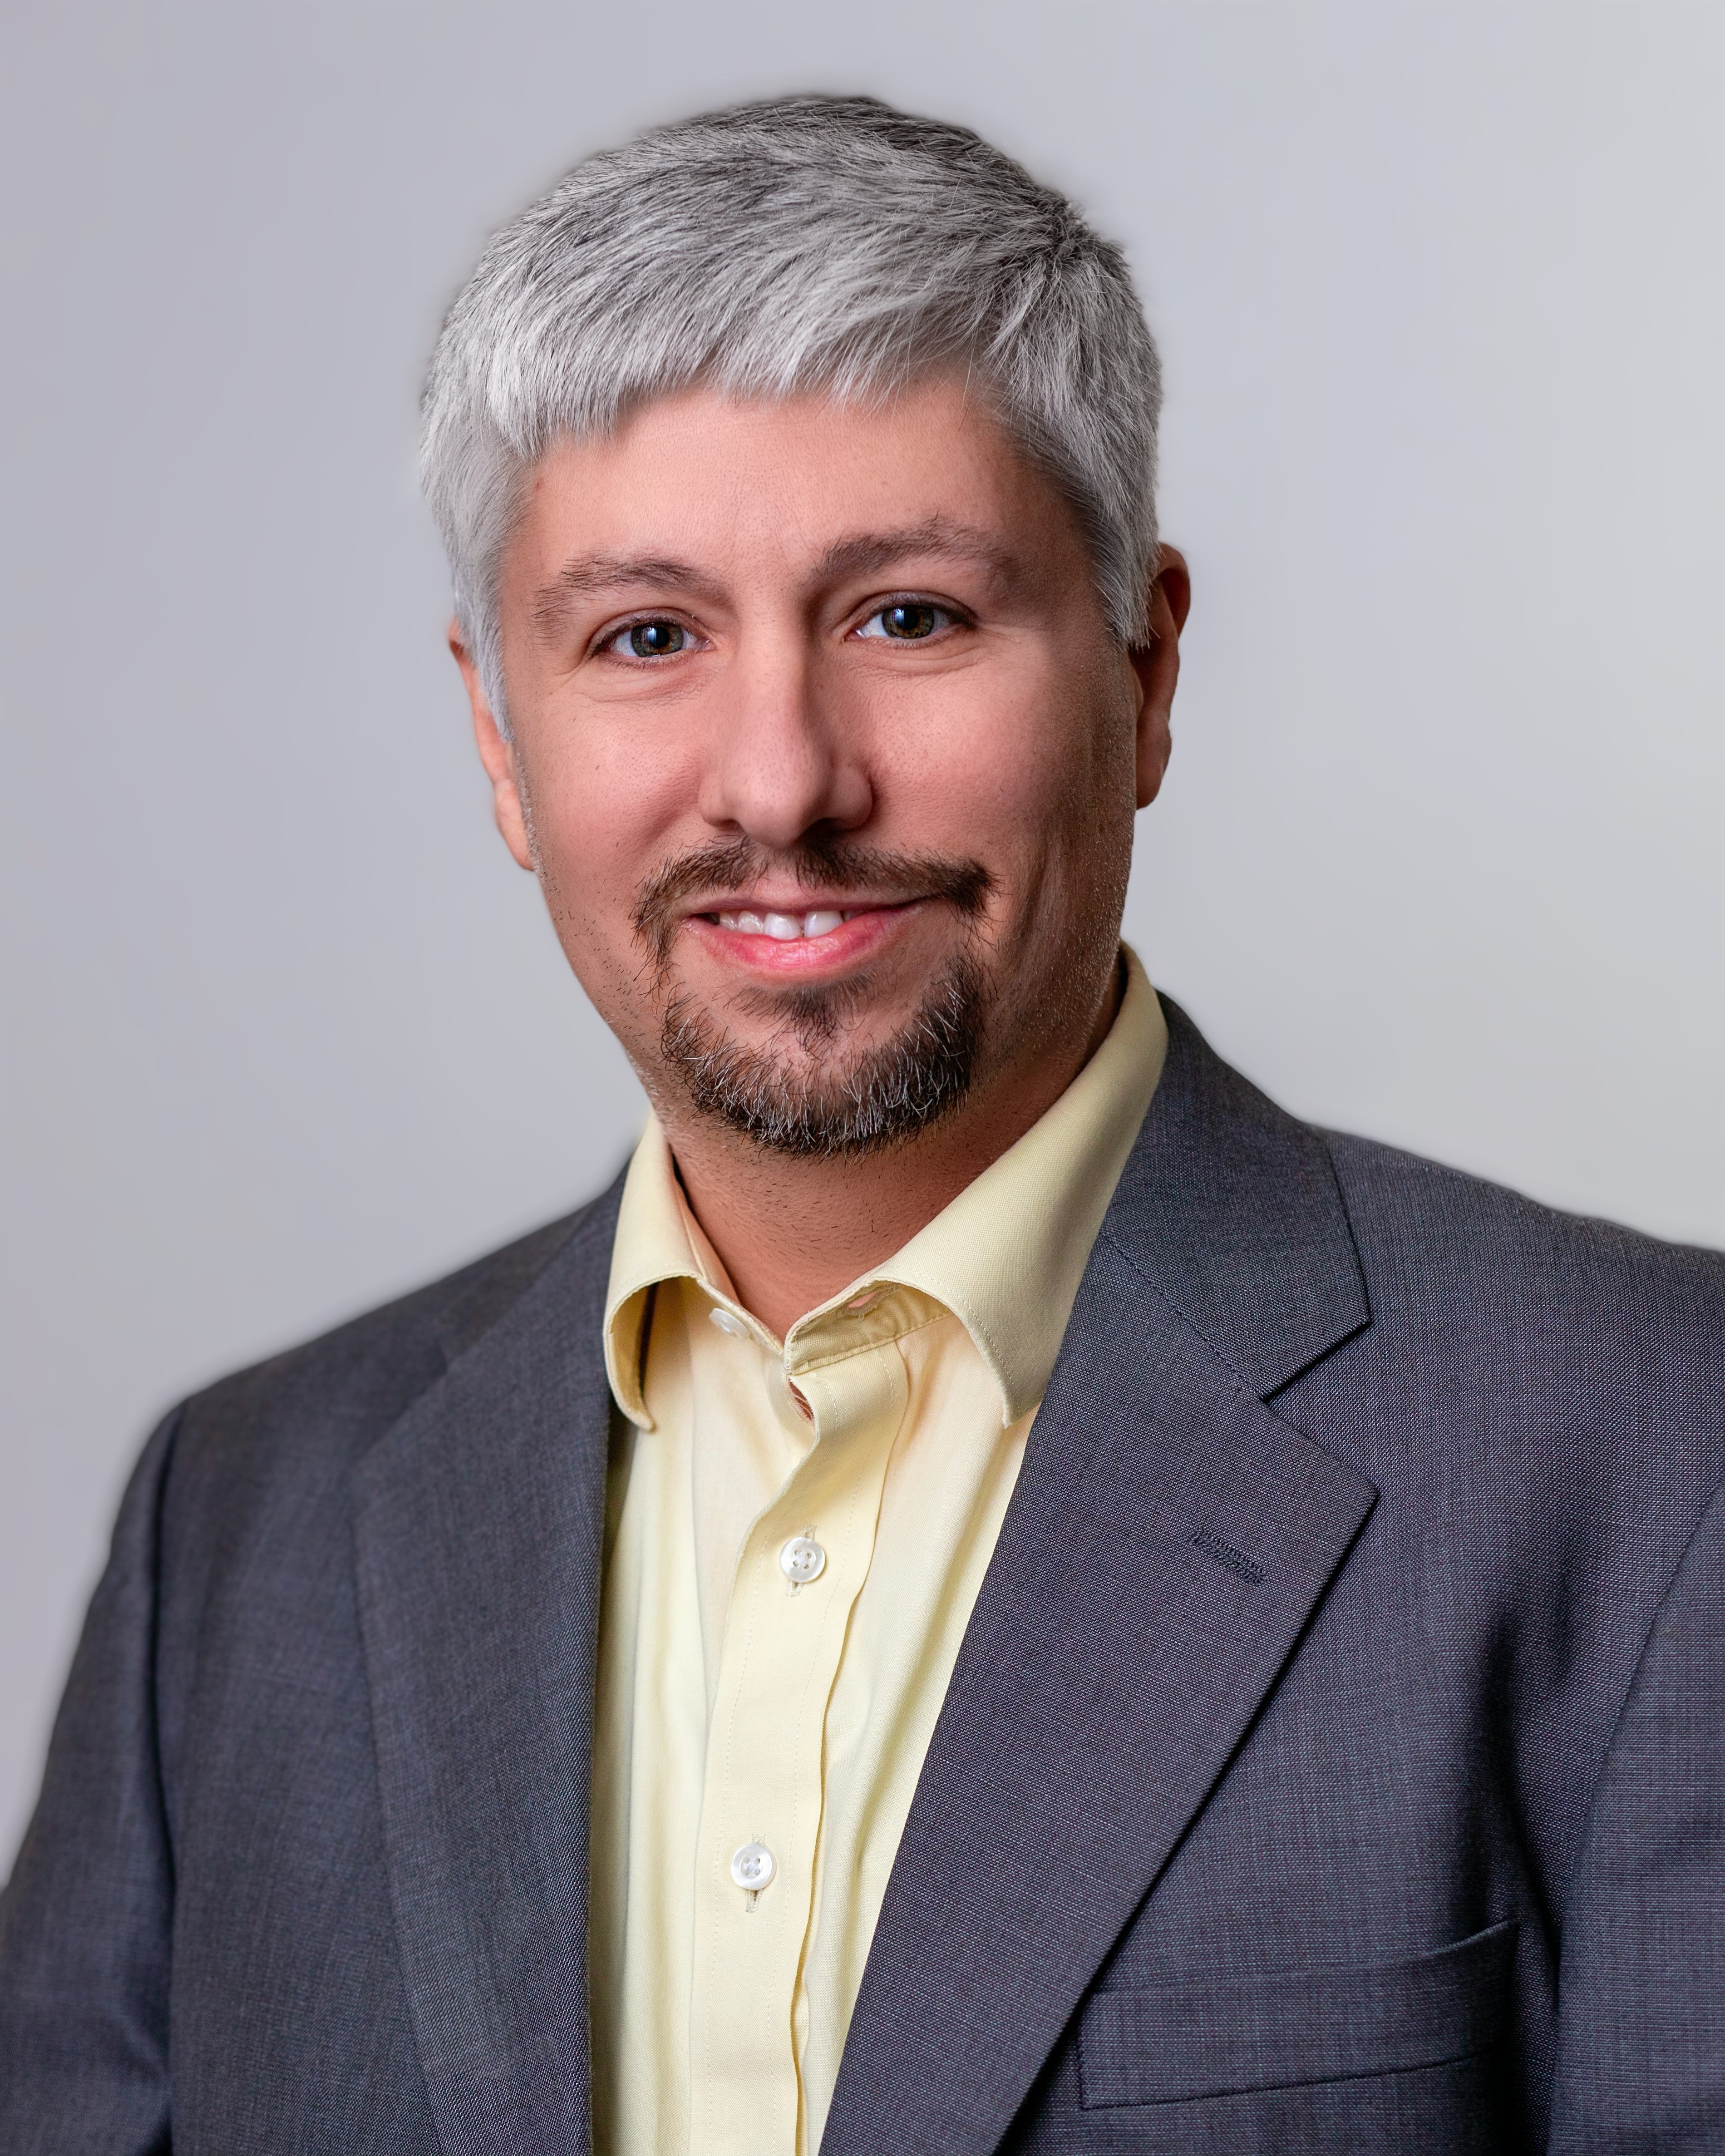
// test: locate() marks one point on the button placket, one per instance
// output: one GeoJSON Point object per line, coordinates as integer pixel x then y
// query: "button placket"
{"type": "Point", "coordinates": [763, 1789]}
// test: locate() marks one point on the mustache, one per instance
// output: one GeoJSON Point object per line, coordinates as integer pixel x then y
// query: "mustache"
{"type": "Point", "coordinates": [814, 865]}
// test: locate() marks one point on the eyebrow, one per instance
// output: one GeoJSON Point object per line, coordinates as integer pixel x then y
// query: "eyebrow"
{"type": "Point", "coordinates": [583, 576]}
{"type": "Point", "coordinates": [586, 574]}
{"type": "Point", "coordinates": [868, 551]}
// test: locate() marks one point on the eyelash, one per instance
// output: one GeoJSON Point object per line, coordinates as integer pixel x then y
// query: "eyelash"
{"type": "Point", "coordinates": [613, 637]}
{"type": "Point", "coordinates": [911, 602]}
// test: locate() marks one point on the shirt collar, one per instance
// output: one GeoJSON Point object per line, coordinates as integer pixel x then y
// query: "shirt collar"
{"type": "Point", "coordinates": [1005, 1257]}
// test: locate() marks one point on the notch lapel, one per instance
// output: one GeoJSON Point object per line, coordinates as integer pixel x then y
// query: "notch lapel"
{"type": "Point", "coordinates": [478, 1530]}
{"type": "Point", "coordinates": [1168, 1540]}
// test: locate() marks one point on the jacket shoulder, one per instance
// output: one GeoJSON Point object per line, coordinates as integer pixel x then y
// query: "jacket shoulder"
{"type": "Point", "coordinates": [1434, 1234]}
{"type": "Point", "coordinates": [1536, 1364]}
{"type": "Point", "coordinates": [365, 1370]}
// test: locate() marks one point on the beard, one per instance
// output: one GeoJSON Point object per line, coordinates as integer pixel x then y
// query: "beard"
{"type": "Point", "coordinates": [829, 1106]}
{"type": "Point", "coordinates": [804, 1094]}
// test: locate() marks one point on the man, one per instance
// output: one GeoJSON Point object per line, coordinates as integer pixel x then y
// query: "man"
{"type": "Point", "coordinates": [995, 1591]}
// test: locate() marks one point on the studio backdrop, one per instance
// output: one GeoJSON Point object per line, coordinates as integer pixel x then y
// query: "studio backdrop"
{"type": "Point", "coordinates": [1439, 291]}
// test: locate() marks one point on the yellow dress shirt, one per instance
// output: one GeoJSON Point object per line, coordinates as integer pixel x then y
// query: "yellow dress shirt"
{"type": "Point", "coordinates": [784, 1599]}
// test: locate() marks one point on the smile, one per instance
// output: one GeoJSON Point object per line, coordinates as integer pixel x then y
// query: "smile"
{"type": "Point", "coordinates": [784, 927]}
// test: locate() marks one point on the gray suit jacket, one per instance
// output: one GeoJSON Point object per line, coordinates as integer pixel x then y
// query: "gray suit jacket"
{"type": "Point", "coordinates": [1335, 1761]}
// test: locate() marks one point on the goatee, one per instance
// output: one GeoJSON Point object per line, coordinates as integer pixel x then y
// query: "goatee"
{"type": "Point", "coordinates": [818, 1103]}
{"type": "Point", "coordinates": [883, 1097]}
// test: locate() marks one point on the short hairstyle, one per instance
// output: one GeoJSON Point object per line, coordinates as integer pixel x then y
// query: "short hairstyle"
{"type": "Point", "coordinates": [800, 245]}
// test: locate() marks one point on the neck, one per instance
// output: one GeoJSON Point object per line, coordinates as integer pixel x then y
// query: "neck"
{"type": "Point", "coordinates": [791, 1232]}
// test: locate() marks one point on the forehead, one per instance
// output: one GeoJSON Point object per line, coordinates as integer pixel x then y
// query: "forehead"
{"type": "Point", "coordinates": [793, 483]}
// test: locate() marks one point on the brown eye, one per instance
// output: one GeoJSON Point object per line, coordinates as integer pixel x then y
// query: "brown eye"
{"type": "Point", "coordinates": [655, 639]}
{"type": "Point", "coordinates": [905, 621]}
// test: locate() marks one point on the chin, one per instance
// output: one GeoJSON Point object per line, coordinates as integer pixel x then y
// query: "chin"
{"type": "Point", "coordinates": [817, 1084]}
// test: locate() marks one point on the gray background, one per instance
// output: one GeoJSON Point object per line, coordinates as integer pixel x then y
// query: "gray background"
{"type": "Point", "coordinates": [1439, 292]}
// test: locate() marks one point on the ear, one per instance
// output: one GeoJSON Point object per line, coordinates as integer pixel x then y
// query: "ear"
{"type": "Point", "coordinates": [498, 756]}
{"type": "Point", "coordinates": [1156, 664]}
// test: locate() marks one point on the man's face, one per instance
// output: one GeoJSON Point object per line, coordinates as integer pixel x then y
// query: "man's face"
{"type": "Point", "coordinates": [823, 755]}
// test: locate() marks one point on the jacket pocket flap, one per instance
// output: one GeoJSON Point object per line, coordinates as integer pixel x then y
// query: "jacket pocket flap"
{"type": "Point", "coordinates": [1220, 2036]}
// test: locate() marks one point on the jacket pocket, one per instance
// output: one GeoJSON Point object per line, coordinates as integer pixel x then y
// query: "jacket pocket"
{"type": "Point", "coordinates": [1225, 2036]}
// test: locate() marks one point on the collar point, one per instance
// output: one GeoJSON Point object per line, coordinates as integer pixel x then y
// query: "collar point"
{"type": "Point", "coordinates": [1015, 1406]}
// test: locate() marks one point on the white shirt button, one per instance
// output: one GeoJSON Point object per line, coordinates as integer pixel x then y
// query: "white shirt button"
{"type": "Point", "coordinates": [753, 1866]}
{"type": "Point", "coordinates": [726, 1323]}
{"type": "Point", "coordinates": [802, 1559]}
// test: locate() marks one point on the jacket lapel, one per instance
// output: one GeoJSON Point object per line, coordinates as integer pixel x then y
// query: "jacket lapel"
{"type": "Point", "coordinates": [1168, 1540]}
{"type": "Point", "coordinates": [478, 1524]}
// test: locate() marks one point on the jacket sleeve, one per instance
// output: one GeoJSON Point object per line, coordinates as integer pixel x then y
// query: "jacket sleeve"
{"type": "Point", "coordinates": [85, 1921]}
{"type": "Point", "coordinates": [1641, 2020]}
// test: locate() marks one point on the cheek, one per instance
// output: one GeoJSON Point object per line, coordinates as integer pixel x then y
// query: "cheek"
{"type": "Point", "coordinates": [1021, 763]}
{"type": "Point", "coordinates": [604, 809]}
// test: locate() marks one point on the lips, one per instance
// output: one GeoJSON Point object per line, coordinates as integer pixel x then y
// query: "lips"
{"type": "Point", "coordinates": [761, 941]}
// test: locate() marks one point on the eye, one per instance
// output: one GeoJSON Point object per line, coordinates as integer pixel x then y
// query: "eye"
{"type": "Point", "coordinates": [650, 639]}
{"type": "Point", "coordinates": [906, 621]}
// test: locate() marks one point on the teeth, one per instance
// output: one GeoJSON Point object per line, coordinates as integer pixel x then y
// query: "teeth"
{"type": "Point", "coordinates": [784, 927]}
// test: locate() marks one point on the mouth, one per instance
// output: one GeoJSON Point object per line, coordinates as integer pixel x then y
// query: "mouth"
{"type": "Point", "coordinates": [790, 928]}
{"type": "Point", "coordinates": [810, 942]}
{"type": "Point", "coordinates": [803, 914]}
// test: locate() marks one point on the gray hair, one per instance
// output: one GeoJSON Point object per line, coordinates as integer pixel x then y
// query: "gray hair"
{"type": "Point", "coordinates": [801, 244]}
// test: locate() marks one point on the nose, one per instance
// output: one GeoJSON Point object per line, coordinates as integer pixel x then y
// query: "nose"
{"type": "Point", "coordinates": [780, 760]}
